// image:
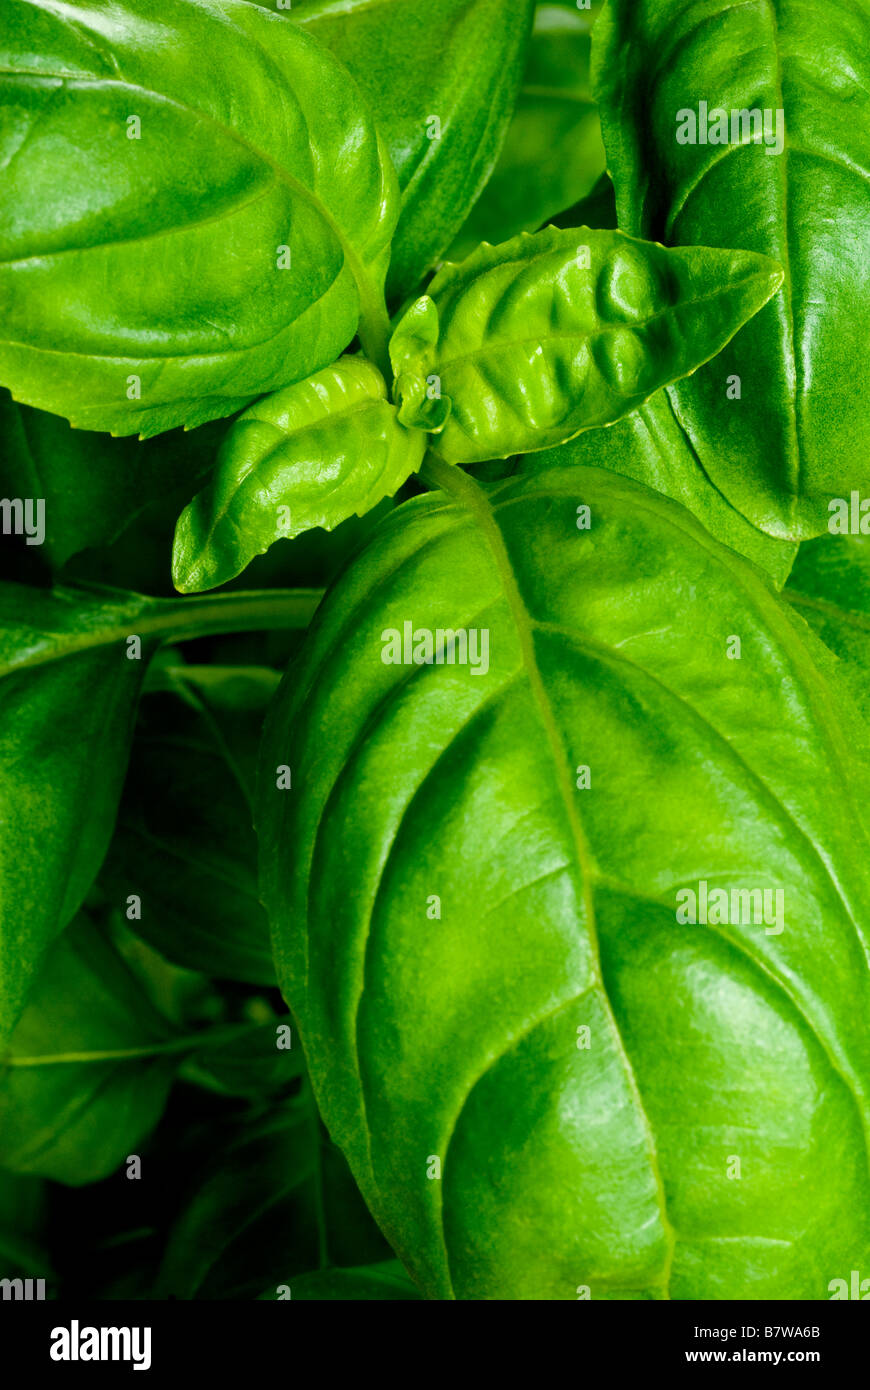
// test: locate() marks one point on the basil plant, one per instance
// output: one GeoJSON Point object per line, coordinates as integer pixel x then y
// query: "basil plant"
{"type": "Point", "coordinates": [434, 649]}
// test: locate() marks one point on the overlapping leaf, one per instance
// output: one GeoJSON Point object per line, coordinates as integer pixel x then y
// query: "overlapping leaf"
{"type": "Point", "coordinates": [524, 345]}
{"type": "Point", "coordinates": [442, 81]}
{"type": "Point", "coordinates": [672, 79]}
{"type": "Point", "coordinates": [312, 455]}
{"type": "Point", "coordinates": [494, 975]}
{"type": "Point", "coordinates": [180, 242]}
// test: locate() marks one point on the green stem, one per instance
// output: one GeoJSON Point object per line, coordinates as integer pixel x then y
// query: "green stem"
{"type": "Point", "coordinates": [209, 1037]}
{"type": "Point", "coordinates": [256, 611]}
{"type": "Point", "coordinates": [375, 331]}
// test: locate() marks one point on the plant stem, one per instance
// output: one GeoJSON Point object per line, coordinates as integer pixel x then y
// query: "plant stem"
{"type": "Point", "coordinates": [256, 611]}
{"type": "Point", "coordinates": [374, 333]}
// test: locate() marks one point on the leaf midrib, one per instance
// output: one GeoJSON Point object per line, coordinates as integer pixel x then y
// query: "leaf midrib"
{"type": "Point", "coordinates": [474, 499]}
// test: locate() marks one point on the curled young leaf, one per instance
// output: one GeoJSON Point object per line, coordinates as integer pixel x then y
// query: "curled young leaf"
{"type": "Point", "coordinates": [531, 757]}
{"type": "Point", "coordinates": [747, 125]}
{"type": "Point", "coordinates": [566, 330]}
{"type": "Point", "coordinates": [310, 455]}
{"type": "Point", "coordinates": [180, 242]}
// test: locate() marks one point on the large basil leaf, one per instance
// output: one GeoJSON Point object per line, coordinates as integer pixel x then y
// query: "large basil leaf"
{"type": "Point", "coordinates": [311, 455]}
{"type": "Point", "coordinates": [797, 434]}
{"type": "Point", "coordinates": [523, 345]}
{"type": "Point", "coordinates": [71, 666]}
{"type": "Point", "coordinates": [650, 446]}
{"type": "Point", "coordinates": [184, 842]}
{"type": "Point", "coordinates": [166, 272]}
{"type": "Point", "coordinates": [92, 486]}
{"type": "Point", "coordinates": [553, 154]}
{"type": "Point", "coordinates": [487, 854]}
{"type": "Point", "coordinates": [442, 80]}
{"type": "Point", "coordinates": [88, 1068]}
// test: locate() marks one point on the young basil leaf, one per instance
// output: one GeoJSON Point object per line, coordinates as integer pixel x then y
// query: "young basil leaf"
{"type": "Point", "coordinates": [90, 487]}
{"type": "Point", "coordinates": [442, 80]}
{"type": "Point", "coordinates": [830, 587]}
{"type": "Point", "coordinates": [566, 330]}
{"type": "Point", "coordinates": [184, 842]}
{"type": "Point", "coordinates": [382, 1281]}
{"type": "Point", "coordinates": [650, 446]}
{"type": "Point", "coordinates": [553, 154]}
{"type": "Point", "coordinates": [180, 243]}
{"type": "Point", "coordinates": [85, 1078]}
{"type": "Point", "coordinates": [522, 747]}
{"type": "Point", "coordinates": [768, 152]}
{"type": "Point", "coordinates": [311, 455]}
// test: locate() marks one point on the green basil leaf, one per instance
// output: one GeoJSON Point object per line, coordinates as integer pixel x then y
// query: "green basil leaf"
{"type": "Point", "coordinates": [68, 694]}
{"type": "Point", "coordinates": [650, 446]}
{"type": "Point", "coordinates": [382, 1281]}
{"type": "Point", "coordinates": [538, 1072]}
{"type": "Point", "coordinates": [184, 842]}
{"type": "Point", "coordinates": [92, 487]}
{"type": "Point", "coordinates": [181, 242]}
{"type": "Point", "coordinates": [442, 80]}
{"type": "Point", "coordinates": [830, 587]}
{"type": "Point", "coordinates": [564, 331]}
{"type": "Point", "coordinates": [670, 86]}
{"type": "Point", "coordinates": [310, 455]}
{"type": "Point", "coordinates": [553, 154]}
{"type": "Point", "coordinates": [85, 1079]}
{"type": "Point", "coordinates": [71, 667]}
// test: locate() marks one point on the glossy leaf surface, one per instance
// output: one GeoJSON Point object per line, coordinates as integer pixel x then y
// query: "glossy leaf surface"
{"type": "Point", "coordinates": [797, 189]}
{"type": "Point", "coordinates": [242, 225]}
{"type": "Point", "coordinates": [501, 984]}
{"type": "Point", "coordinates": [547, 335]}
{"type": "Point", "coordinates": [311, 455]}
